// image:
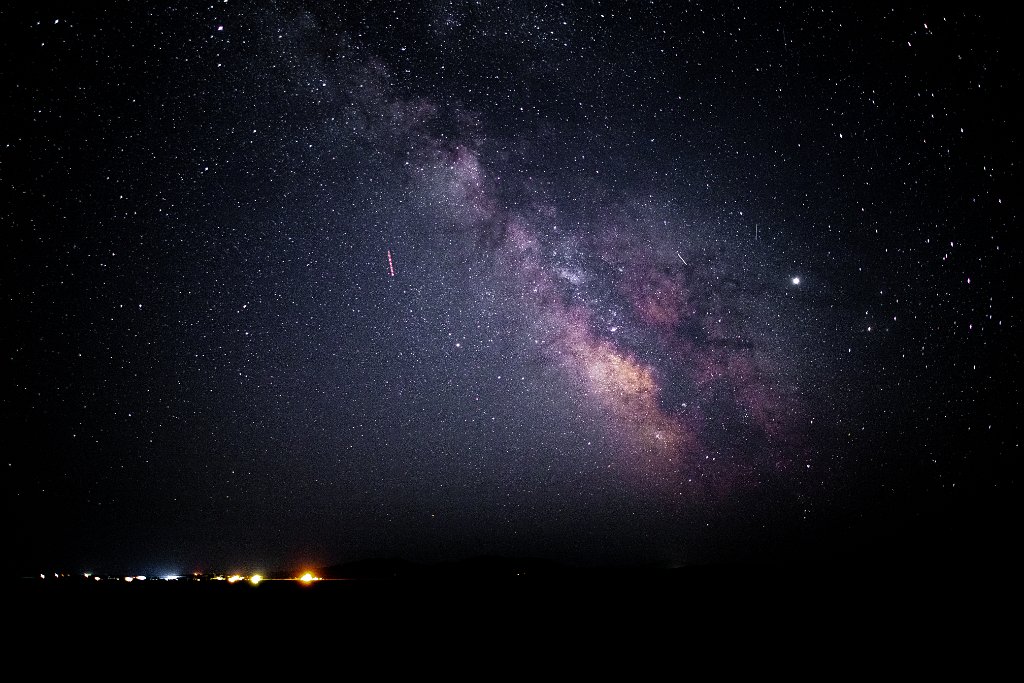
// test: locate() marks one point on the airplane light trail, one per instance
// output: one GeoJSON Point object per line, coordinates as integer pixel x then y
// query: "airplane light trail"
{"type": "Point", "coordinates": [391, 265]}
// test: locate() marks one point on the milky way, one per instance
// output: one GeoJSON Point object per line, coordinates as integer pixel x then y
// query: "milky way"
{"type": "Point", "coordinates": [654, 342]}
{"type": "Point", "coordinates": [435, 280]}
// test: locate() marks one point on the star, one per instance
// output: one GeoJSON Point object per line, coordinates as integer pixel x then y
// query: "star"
{"type": "Point", "coordinates": [293, 309]}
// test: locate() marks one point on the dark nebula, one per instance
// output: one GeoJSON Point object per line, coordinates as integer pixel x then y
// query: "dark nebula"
{"type": "Point", "coordinates": [616, 283]}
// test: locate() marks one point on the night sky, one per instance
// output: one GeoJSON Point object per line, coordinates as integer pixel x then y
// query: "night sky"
{"type": "Point", "coordinates": [602, 283]}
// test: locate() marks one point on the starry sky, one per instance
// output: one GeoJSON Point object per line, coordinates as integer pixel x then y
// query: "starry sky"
{"type": "Point", "coordinates": [598, 282]}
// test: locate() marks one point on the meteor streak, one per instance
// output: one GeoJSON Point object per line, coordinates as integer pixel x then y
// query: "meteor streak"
{"type": "Point", "coordinates": [391, 265]}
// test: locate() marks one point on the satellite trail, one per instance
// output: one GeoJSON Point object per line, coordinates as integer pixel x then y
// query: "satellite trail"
{"type": "Point", "coordinates": [391, 264]}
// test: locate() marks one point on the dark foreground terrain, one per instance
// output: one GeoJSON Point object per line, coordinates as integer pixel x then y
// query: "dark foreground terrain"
{"type": "Point", "coordinates": [386, 590]}
{"type": "Point", "coordinates": [854, 618]}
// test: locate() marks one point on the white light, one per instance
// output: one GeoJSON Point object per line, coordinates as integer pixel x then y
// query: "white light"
{"type": "Point", "coordinates": [170, 578]}
{"type": "Point", "coordinates": [796, 281]}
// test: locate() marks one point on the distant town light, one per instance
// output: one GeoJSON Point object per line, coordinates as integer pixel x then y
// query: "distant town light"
{"type": "Point", "coordinates": [234, 578]}
{"type": "Point", "coordinates": [307, 578]}
{"type": "Point", "coordinates": [255, 579]}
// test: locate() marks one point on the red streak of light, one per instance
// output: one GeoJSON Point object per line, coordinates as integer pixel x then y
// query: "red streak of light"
{"type": "Point", "coordinates": [391, 265]}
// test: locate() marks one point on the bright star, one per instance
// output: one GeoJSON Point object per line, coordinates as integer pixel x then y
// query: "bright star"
{"type": "Point", "coordinates": [795, 281]}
